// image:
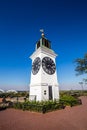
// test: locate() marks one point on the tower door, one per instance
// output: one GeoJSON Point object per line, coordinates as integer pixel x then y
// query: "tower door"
{"type": "Point", "coordinates": [50, 92]}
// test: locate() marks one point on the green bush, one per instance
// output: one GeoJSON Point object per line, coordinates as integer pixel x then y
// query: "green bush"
{"type": "Point", "coordinates": [39, 106]}
{"type": "Point", "coordinates": [69, 100]}
{"type": "Point", "coordinates": [46, 106]}
{"type": "Point", "coordinates": [2, 108]}
{"type": "Point", "coordinates": [18, 105]}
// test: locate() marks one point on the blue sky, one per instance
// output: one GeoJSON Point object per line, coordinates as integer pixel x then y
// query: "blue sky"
{"type": "Point", "coordinates": [65, 25]}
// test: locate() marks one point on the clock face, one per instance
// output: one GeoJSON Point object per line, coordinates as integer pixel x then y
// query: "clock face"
{"type": "Point", "coordinates": [48, 65]}
{"type": "Point", "coordinates": [36, 65]}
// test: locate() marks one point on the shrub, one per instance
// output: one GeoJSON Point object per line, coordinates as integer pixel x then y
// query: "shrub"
{"type": "Point", "coordinates": [17, 105]}
{"type": "Point", "coordinates": [46, 106]}
{"type": "Point", "coordinates": [2, 108]}
{"type": "Point", "coordinates": [43, 106]}
{"type": "Point", "coordinates": [69, 100]}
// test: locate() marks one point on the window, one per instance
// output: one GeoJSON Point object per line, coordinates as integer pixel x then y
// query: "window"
{"type": "Point", "coordinates": [38, 44]}
{"type": "Point", "coordinates": [44, 92]}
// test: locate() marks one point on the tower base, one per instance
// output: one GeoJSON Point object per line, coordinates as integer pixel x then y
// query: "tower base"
{"type": "Point", "coordinates": [44, 93]}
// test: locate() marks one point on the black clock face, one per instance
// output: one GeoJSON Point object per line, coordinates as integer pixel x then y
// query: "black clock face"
{"type": "Point", "coordinates": [48, 65]}
{"type": "Point", "coordinates": [36, 65]}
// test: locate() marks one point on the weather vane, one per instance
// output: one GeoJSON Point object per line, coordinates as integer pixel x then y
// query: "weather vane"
{"type": "Point", "coordinates": [42, 31]}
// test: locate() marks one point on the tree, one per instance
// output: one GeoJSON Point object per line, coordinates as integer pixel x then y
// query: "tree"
{"type": "Point", "coordinates": [85, 81]}
{"type": "Point", "coordinates": [81, 83]}
{"type": "Point", "coordinates": [81, 67]}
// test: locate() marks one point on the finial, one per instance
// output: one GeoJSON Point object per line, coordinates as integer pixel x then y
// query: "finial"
{"type": "Point", "coordinates": [42, 31]}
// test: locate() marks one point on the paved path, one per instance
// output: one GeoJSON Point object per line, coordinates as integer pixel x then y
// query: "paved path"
{"type": "Point", "coordinates": [74, 118]}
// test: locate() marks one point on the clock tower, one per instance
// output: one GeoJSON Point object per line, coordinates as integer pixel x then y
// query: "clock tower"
{"type": "Point", "coordinates": [43, 83]}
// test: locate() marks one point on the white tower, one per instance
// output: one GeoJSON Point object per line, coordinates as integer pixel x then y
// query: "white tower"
{"type": "Point", "coordinates": [43, 83]}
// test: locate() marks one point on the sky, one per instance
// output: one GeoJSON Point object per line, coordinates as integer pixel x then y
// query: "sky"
{"type": "Point", "coordinates": [65, 25]}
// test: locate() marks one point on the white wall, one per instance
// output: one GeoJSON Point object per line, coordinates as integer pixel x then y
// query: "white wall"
{"type": "Point", "coordinates": [42, 80]}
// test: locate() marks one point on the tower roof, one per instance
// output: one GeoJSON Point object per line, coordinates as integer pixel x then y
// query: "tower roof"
{"type": "Point", "coordinates": [43, 41]}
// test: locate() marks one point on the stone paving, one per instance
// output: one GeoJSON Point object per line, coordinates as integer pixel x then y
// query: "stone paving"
{"type": "Point", "coordinates": [70, 118]}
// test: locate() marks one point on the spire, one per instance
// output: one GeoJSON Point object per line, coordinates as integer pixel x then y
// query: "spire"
{"type": "Point", "coordinates": [42, 31]}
